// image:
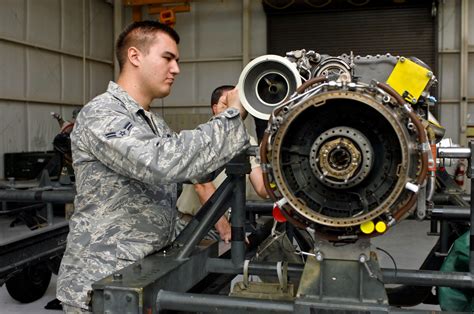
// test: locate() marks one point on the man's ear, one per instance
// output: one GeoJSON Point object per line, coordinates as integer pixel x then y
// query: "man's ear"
{"type": "Point", "coordinates": [213, 109]}
{"type": "Point", "coordinates": [133, 55]}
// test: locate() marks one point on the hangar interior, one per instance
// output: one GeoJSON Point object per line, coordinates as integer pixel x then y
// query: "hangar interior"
{"type": "Point", "coordinates": [59, 54]}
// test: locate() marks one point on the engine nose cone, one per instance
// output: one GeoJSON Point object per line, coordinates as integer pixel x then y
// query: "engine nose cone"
{"type": "Point", "coordinates": [341, 157]}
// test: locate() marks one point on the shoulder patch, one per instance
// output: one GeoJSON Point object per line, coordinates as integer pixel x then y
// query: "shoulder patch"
{"type": "Point", "coordinates": [120, 133]}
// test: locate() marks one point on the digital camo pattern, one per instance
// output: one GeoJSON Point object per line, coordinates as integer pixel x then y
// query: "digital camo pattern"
{"type": "Point", "coordinates": [188, 202]}
{"type": "Point", "coordinates": [126, 173]}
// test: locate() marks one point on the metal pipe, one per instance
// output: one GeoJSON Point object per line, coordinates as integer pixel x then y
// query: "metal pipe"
{"type": "Point", "coordinates": [441, 198]}
{"type": "Point", "coordinates": [259, 207]}
{"type": "Point", "coordinates": [264, 160]}
{"type": "Point", "coordinates": [428, 278]}
{"type": "Point", "coordinates": [217, 265]}
{"type": "Point", "coordinates": [471, 228]}
{"type": "Point", "coordinates": [266, 178]}
{"type": "Point", "coordinates": [238, 220]}
{"type": "Point", "coordinates": [194, 302]}
{"type": "Point", "coordinates": [20, 209]}
{"type": "Point", "coordinates": [433, 227]}
{"type": "Point", "coordinates": [53, 196]}
{"type": "Point", "coordinates": [390, 276]}
{"type": "Point", "coordinates": [444, 237]}
{"type": "Point", "coordinates": [252, 151]}
{"type": "Point", "coordinates": [451, 212]}
{"type": "Point", "coordinates": [454, 152]}
{"type": "Point", "coordinates": [452, 199]}
{"type": "Point", "coordinates": [311, 82]}
{"type": "Point", "coordinates": [217, 202]}
{"type": "Point", "coordinates": [49, 213]}
{"type": "Point", "coordinates": [431, 185]}
{"type": "Point", "coordinates": [422, 139]}
{"type": "Point", "coordinates": [463, 72]}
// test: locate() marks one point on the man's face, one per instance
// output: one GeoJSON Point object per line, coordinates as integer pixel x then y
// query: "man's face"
{"type": "Point", "coordinates": [221, 104]}
{"type": "Point", "coordinates": [160, 65]}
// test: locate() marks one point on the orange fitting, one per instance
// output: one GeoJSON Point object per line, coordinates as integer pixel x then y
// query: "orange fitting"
{"type": "Point", "coordinates": [432, 163]}
{"type": "Point", "coordinates": [168, 17]}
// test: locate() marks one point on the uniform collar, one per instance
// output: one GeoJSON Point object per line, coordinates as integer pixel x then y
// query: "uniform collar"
{"type": "Point", "coordinates": [118, 92]}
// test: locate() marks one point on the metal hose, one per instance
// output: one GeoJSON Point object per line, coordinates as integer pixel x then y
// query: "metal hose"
{"type": "Point", "coordinates": [422, 139]}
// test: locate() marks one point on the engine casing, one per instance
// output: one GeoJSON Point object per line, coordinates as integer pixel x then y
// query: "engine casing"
{"type": "Point", "coordinates": [347, 147]}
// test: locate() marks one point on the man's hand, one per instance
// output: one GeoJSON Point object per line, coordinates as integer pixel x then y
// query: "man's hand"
{"type": "Point", "coordinates": [233, 101]}
{"type": "Point", "coordinates": [223, 227]}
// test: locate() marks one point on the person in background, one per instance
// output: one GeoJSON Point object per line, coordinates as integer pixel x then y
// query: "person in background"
{"type": "Point", "coordinates": [128, 162]}
{"type": "Point", "coordinates": [193, 196]}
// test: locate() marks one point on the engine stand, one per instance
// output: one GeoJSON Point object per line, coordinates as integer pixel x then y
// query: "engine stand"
{"type": "Point", "coordinates": [347, 277]}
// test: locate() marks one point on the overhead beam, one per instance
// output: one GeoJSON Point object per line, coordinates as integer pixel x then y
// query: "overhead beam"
{"type": "Point", "coordinates": [147, 2]}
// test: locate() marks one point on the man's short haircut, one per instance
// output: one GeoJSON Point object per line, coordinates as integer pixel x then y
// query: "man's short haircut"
{"type": "Point", "coordinates": [140, 35]}
{"type": "Point", "coordinates": [217, 93]}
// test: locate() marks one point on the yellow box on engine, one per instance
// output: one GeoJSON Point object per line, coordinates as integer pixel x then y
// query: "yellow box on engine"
{"type": "Point", "coordinates": [409, 79]}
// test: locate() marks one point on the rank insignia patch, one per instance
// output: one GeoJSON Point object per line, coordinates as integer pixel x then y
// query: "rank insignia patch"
{"type": "Point", "coordinates": [120, 133]}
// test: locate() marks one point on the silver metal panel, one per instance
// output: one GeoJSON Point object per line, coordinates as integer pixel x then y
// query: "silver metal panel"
{"type": "Point", "coordinates": [12, 67]}
{"type": "Point", "coordinates": [219, 27]}
{"type": "Point", "coordinates": [44, 75]}
{"type": "Point", "coordinates": [66, 111]}
{"type": "Point", "coordinates": [146, 277]}
{"type": "Point", "coordinates": [258, 29]}
{"type": "Point", "coordinates": [470, 80]}
{"type": "Point", "coordinates": [449, 25]}
{"type": "Point", "coordinates": [449, 115]}
{"type": "Point", "coordinates": [42, 128]}
{"type": "Point", "coordinates": [12, 16]}
{"type": "Point", "coordinates": [210, 75]}
{"type": "Point", "coordinates": [449, 78]}
{"type": "Point", "coordinates": [179, 122]}
{"type": "Point", "coordinates": [184, 117]}
{"type": "Point", "coordinates": [471, 25]}
{"type": "Point", "coordinates": [470, 115]}
{"type": "Point", "coordinates": [101, 29]}
{"type": "Point", "coordinates": [71, 23]}
{"type": "Point", "coordinates": [72, 83]}
{"type": "Point", "coordinates": [186, 27]}
{"type": "Point", "coordinates": [99, 77]}
{"type": "Point", "coordinates": [340, 284]}
{"type": "Point", "coordinates": [44, 22]}
{"type": "Point", "coordinates": [13, 131]}
{"type": "Point", "coordinates": [184, 87]}
{"type": "Point", "coordinates": [210, 33]}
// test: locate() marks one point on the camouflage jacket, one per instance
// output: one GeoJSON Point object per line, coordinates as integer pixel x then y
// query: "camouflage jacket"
{"type": "Point", "coordinates": [127, 163]}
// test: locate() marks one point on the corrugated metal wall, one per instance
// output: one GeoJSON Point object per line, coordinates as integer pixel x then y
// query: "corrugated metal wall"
{"type": "Point", "coordinates": [403, 31]}
{"type": "Point", "coordinates": [456, 67]}
{"type": "Point", "coordinates": [43, 69]}
{"type": "Point", "coordinates": [56, 55]}
{"type": "Point", "coordinates": [211, 54]}
{"type": "Point", "coordinates": [400, 30]}
{"type": "Point", "coordinates": [364, 28]}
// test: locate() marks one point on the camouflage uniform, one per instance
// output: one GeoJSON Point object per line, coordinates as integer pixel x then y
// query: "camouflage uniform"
{"type": "Point", "coordinates": [188, 202]}
{"type": "Point", "coordinates": [127, 162]}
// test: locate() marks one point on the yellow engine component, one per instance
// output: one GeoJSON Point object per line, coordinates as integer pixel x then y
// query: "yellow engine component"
{"type": "Point", "coordinates": [409, 79]}
{"type": "Point", "coordinates": [367, 227]}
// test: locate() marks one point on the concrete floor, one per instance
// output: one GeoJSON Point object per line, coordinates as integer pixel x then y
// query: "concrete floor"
{"type": "Point", "coordinates": [408, 243]}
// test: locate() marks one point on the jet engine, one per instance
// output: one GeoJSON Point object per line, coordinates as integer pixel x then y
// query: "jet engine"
{"type": "Point", "coordinates": [347, 151]}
